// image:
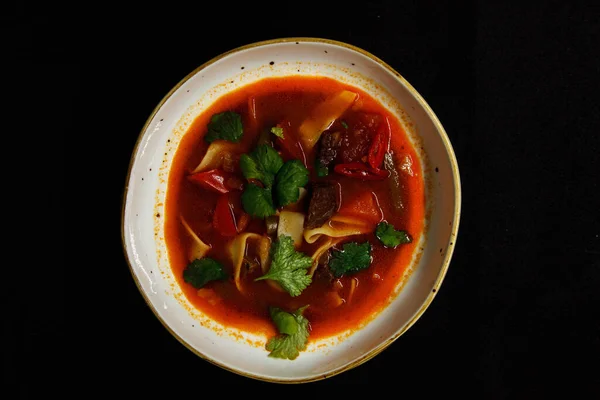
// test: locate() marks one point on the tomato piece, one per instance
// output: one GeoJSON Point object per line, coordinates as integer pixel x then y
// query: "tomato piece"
{"type": "Point", "coordinates": [362, 207]}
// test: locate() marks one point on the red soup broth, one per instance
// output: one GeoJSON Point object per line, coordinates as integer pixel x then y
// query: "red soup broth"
{"type": "Point", "coordinates": [261, 105]}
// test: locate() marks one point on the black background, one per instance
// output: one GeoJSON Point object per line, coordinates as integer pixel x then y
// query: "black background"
{"type": "Point", "coordinates": [515, 87]}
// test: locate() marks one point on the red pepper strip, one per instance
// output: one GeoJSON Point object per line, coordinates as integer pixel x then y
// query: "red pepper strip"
{"type": "Point", "coordinates": [242, 222]}
{"type": "Point", "coordinates": [213, 180]}
{"type": "Point", "coordinates": [375, 156]}
{"type": "Point", "coordinates": [290, 146]}
{"type": "Point", "coordinates": [379, 145]}
{"type": "Point", "coordinates": [224, 219]}
{"type": "Point", "coordinates": [361, 171]}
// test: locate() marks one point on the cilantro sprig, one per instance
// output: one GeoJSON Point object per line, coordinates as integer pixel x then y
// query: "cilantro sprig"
{"type": "Point", "coordinates": [262, 164]}
{"type": "Point", "coordinates": [257, 201]}
{"type": "Point", "coordinates": [277, 131]}
{"type": "Point", "coordinates": [290, 178]}
{"type": "Point", "coordinates": [201, 271]}
{"type": "Point", "coordinates": [293, 333]}
{"type": "Point", "coordinates": [288, 267]}
{"type": "Point", "coordinates": [351, 259]}
{"type": "Point", "coordinates": [225, 126]}
{"type": "Point", "coordinates": [281, 181]}
{"type": "Point", "coordinates": [390, 236]}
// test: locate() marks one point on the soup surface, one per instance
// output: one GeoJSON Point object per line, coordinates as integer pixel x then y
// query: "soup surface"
{"type": "Point", "coordinates": [293, 209]}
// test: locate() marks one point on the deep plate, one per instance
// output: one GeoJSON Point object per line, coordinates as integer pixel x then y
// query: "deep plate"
{"type": "Point", "coordinates": [142, 222]}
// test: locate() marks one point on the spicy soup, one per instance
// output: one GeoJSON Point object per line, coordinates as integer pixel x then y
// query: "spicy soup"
{"type": "Point", "coordinates": [297, 199]}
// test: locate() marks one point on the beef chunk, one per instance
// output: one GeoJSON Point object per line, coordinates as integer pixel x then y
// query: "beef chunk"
{"type": "Point", "coordinates": [357, 140]}
{"type": "Point", "coordinates": [323, 273]}
{"type": "Point", "coordinates": [323, 203]}
{"type": "Point", "coordinates": [328, 145]}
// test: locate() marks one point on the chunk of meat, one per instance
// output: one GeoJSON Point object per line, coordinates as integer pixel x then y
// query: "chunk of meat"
{"type": "Point", "coordinates": [324, 202]}
{"type": "Point", "coordinates": [329, 144]}
{"type": "Point", "coordinates": [323, 273]}
{"type": "Point", "coordinates": [357, 140]}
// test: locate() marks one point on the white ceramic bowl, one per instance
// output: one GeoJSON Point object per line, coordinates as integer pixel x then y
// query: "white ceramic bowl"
{"type": "Point", "coordinates": [142, 225]}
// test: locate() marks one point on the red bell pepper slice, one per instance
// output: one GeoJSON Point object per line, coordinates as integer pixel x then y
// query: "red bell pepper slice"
{"type": "Point", "coordinates": [379, 145]}
{"type": "Point", "coordinates": [290, 145]}
{"type": "Point", "coordinates": [361, 171]}
{"type": "Point", "coordinates": [213, 180]}
{"type": "Point", "coordinates": [224, 218]}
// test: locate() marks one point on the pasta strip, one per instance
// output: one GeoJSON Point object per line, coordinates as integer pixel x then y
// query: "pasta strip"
{"type": "Point", "coordinates": [237, 251]}
{"type": "Point", "coordinates": [353, 285]}
{"type": "Point", "coordinates": [213, 158]}
{"type": "Point", "coordinates": [328, 243]}
{"type": "Point", "coordinates": [323, 116]}
{"type": "Point", "coordinates": [291, 224]}
{"type": "Point", "coordinates": [338, 226]}
{"type": "Point", "coordinates": [198, 249]}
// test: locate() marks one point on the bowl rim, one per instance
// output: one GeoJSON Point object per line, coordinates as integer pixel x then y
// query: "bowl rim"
{"type": "Point", "coordinates": [449, 250]}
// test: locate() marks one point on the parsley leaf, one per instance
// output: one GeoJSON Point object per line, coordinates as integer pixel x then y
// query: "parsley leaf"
{"type": "Point", "coordinates": [226, 126]}
{"type": "Point", "coordinates": [288, 345]}
{"type": "Point", "coordinates": [201, 271]}
{"type": "Point", "coordinates": [262, 164]}
{"type": "Point", "coordinates": [288, 266]}
{"type": "Point", "coordinates": [344, 124]}
{"type": "Point", "coordinates": [391, 237]}
{"type": "Point", "coordinates": [290, 178]}
{"type": "Point", "coordinates": [321, 169]}
{"type": "Point", "coordinates": [277, 131]}
{"type": "Point", "coordinates": [285, 322]}
{"type": "Point", "coordinates": [257, 201]}
{"type": "Point", "coordinates": [353, 258]}
{"type": "Point", "coordinates": [266, 165]}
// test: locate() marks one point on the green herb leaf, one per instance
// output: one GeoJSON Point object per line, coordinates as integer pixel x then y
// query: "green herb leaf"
{"type": "Point", "coordinates": [201, 271]}
{"type": "Point", "coordinates": [226, 126]}
{"type": "Point", "coordinates": [288, 345]}
{"type": "Point", "coordinates": [321, 169]}
{"type": "Point", "coordinates": [344, 124]}
{"type": "Point", "coordinates": [277, 131]}
{"type": "Point", "coordinates": [262, 164]}
{"type": "Point", "coordinates": [285, 322]}
{"type": "Point", "coordinates": [250, 168]}
{"type": "Point", "coordinates": [257, 201]}
{"type": "Point", "coordinates": [391, 237]}
{"type": "Point", "coordinates": [288, 181]}
{"type": "Point", "coordinates": [352, 259]}
{"type": "Point", "coordinates": [288, 267]}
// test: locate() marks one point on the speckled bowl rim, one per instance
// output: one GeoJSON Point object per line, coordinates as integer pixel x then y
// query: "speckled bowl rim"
{"type": "Point", "coordinates": [448, 254]}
